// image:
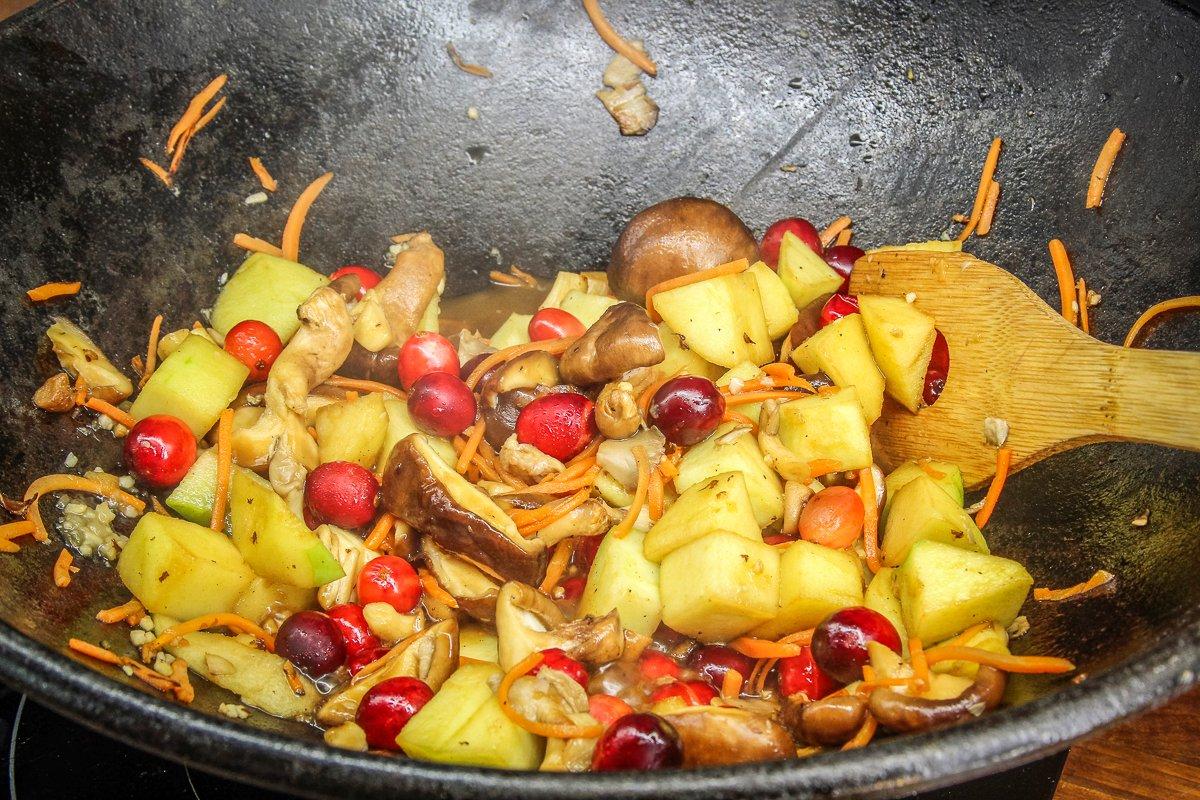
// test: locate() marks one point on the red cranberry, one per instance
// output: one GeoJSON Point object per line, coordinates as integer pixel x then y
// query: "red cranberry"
{"type": "Point", "coordinates": [311, 641]}
{"type": "Point", "coordinates": [442, 404]}
{"type": "Point", "coordinates": [768, 250]}
{"type": "Point", "coordinates": [358, 660]}
{"type": "Point", "coordinates": [638, 742]}
{"type": "Point", "coordinates": [367, 278]}
{"type": "Point", "coordinates": [341, 493]}
{"type": "Point", "coordinates": [839, 644]}
{"type": "Point", "coordinates": [939, 369]}
{"type": "Point", "coordinates": [607, 709]}
{"type": "Point", "coordinates": [256, 345]}
{"type": "Point", "coordinates": [838, 306]}
{"type": "Point", "coordinates": [391, 580]}
{"type": "Point", "coordinates": [556, 659]}
{"type": "Point", "coordinates": [712, 661]}
{"type": "Point", "coordinates": [355, 631]}
{"type": "Point", "coordinates": [572, 588]}
{"type": "Point", "coordinates": [842, 257]}
{"type": "Point", "coordinates": [687, 409]}
{"type": "Point", "coordinates": [654, 665]}
{"type": "Point", "coordinates": [560, 425]}
{"type": "Point", "coordinates": [388, 706]}
{"type": "Point", "coordinates": [586, 548]}
{"type": "Point", "coordinates": [554, 323]}
{"type": "Point", "coordinates": [694, 693]}
{"type": "Point", "coordinates": [160, 450]}
{"type": "Point", "coordinates": [800, 673]}
{"type": "Point", "coordinates": [424, 353]}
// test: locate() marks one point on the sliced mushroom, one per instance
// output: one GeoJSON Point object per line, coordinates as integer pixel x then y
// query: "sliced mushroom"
{"type": "Point", "coordinates": [423, 491]}
{"type": "Point", "coordinates": [79, 355]}
{"type": "Point", "coordinates": [904, 714]}
{"type": "Point", "coordinates": [617, 412]}
{"type": "Point", "coordinates": [570, 755]}
{"type": "Point", "coordinates": [378, 366]}
{"type": "Point", "coordinates": [550, 696]}
{"type": "Point", "coordinates": [626, 98]}
{"type": "Point", "coordinates": [431, 656]}
{"type": "Point", "coordinates": [527, 621]}
{"type": "Point", "coordinates": [674, 238]}
{"type": "Point", "coordinates": [526, 371]}
{"type": "Point", "coordinates": [615, 456]}
{"type": "Point", "coordinates": [410, 286]}
{"type": "Point", "coordinates": [714, 735]}
{"type": "Point", "coordinates": [593, 518]}
{"type": "Point", "coordinates": [475, 590]}
{"type": "Point", "coordinates": [500, 412]}
{"type": "Point", "coordinates": [527, 462]}
{"type": "Point", "coordinates": [350, 552]}
{"type": "Point", "coordinates": [622, 339]}
{"type": "Point", "coordinates": [55, 394]}
{"type": "Point", "coordinates": [828, 722]}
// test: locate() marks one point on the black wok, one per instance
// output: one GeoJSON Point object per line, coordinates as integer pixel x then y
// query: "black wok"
{"type": "Point", "coordinates": [885, 109]}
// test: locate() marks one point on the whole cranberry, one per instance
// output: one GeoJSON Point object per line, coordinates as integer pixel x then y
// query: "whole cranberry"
{"type": "Point", "coordinates": [842, 257]}
{"type": "Point", "coordinates": [441, 404]}
{"type": "Point", "coordinates": [355, 631]}
{"type": "Point", "coordinates": [654, 665]}
{"type": "Point", "coordinates": [554, 323]}
{"type": "Point", "coordinates": [341, 493]}
{"type": "Point", "coordinates": [391, 580]}
{"type": "Point", "coordinates": [423, 353]}
{"type": "Point", "coordinates": [638, 742]}
{"type": "Point", "coordinates": [712, 661]}
{"type": "Point", "coordinates": [556, 659]}
{"type": "Point", "coordinates": [938, 370]}
{"type": "Point", "coordinates": [255, 344]}
{"type": "Point", "coordinates": [768, 249]}
{"type": "Point", "coordinates": [693, 693]}
{"type": "Point", "coordinates": [388, 706]}
{"type": "Point", "coordinates": [363, 657]}
{"type": "Point", "coordinates": [367, 278]}
{"type": "Point", "coordinates": [838, 306]}
{"type": "Point", "coordinates": [687, 409]}
{"type": "Point", "coordinates": [160, 450]}
{"type": "Point", "coordinates": [839, 644]}
{"type": "Point", "coordinates": [585, 551]}
{"type": "Point", "coordinates": [800, 674]}
{"type": "Point", "coordinates": [572, 588]}
{"type": "Point", "coordinates": [311, 641]}
{"type": "Point", "coordinates": [560, 425]}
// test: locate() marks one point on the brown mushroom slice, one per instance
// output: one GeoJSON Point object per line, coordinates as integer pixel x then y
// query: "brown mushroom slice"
{"type": "Point", "coordinates": [352, 555]}
{"type": "Point", "coordinates": [674, 238]}
{"type": "Point", "coordinates": [431, 655]}
{"type": "Point", "coordinates": [423, 491]}
{"type": "Point", "coordinates": [527, 462]}
{"type": "Point", "coordinates": [617, 412]}
{"type": "Point", "coordinates": [590, 519]}
{"type": "Point", "coordinates": [714, 735]}
{"type": "Point", "coordinates": [80, 356]}
{"type": "Point", "coordinates": [829, 722]}
{"type": "Point", "coordinates": [622, 339]}
{"type": "Point", "coordinates": [378, 366]}
{"type": "Point", "coordinates": [527, 622]}
{"type": "Point", "coordinates": [904, 714]}
{"type": "Point", "coordinates": [474, 590]}
{"type": "Point", "coordinates": [526, 371]}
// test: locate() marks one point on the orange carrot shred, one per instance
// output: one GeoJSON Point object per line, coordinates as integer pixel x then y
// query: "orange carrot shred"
{"type": "Point", "coordinates": [470, 448]}
{"type": "Point", "coordinates": [380, 531]}
{"type": "Point", "coordinates": [615, 41]}
{"type": "Point", "coordinates": [968, 634]}
{"type": "Point", "coordinates": [62, 568]}
{"type": "Point", "coordinates": [186, 139]}
{"type": "Point", "coordinates": [362, 385]}
{"type": "Point", "coordinates": [1031, 665]}
{"type": "Point", "coordinates": [654, 495]}
{"type": "Point", "coordinates": [1102, 169]}
{"type": "Point", "coordinates": [732, 416]}
{"type": "Point", "coordinates": [1187, 303]}
{"type": "Point", "coordinates": [550, 731]}
{"type": "Point", "coordinates": [71, 483]}
{"type": "Point", "coordinates": [1003, 463]}
{"type": "Point", "coordinates": [823, 466]}
{"type": "Point", "coordinates": [184, 691]}
{"type": "Point", "coordinates": [552, 346]}
{"type": "Point", "coordinates": [1066, 280]}
{"type": "Point", "coordinates": [758, 397]}
{"type": "Point", "coordinates": [555, 511]}
{"type": "Point", "coordinates": [12, 530]}
{"type": "Point", "coordinates": [115, 614]}
{"type": "Point", "coordinates": [157, 171]}
{"type": "Point", "coordinates": [264, 177]}
{"type": "Point", "coordinates": [557, 566]}
{"type": "Point", "coordinates": [434, 589]}
{"type": "Point", "coordinates": [49, 291]}
{"type": "Point", "coordinates": [639, 496]}
{"type": "Point", "coordinates": [985, 182]}
{"type": "Point", "coordinates": [224, 469]}
{"type": "Point", "coordinates": [194, 111]}
{"type": "Point", "coordinates": [296, 217]}
{"type": "Point", "coordinates": [1101, 578]}
{"type": "Point", "coordinates": [864, 735]}
{"type": "Point", "coordinates": [866, 489]}
{"type": "Point", "coordinates": [648, 393]}
{"type": "Point", "coordinates": [218, 620]}
{"type": "Point", "coordinates": [471, 69]}
{"type": "Point", "coordinates": [1085, 324]}
{"type": "Point", "coordinates": [989, 210]}
{"type": "Point", "coordinates": [830, 234]}
{"type": "Point", "coordinates": [732, 268]}
{"type": "Point", "coordinates": [256, 245]}
{"type": "Point", "coordinates": [764, 648]}
{"type": "Point", "coordinates": [152, 350]}
{"type": "Point", "coordinates": [117, 415]}
{"type": "Point", "coordinates": [293, 680]}
{"type": "Point", "coordinates": [844, 237]}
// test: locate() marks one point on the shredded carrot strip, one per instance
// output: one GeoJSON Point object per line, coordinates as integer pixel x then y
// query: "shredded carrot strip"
{"type": "Point", "coordinates": [985, 182]}
{"type": "Point", "coordinates": [989, 210]}
{"type": "Point", "coordinates": [575, 470]}
{"type": "Point", "coordinates": [365, 386]}
{"type": "Point", "coordinates": [639, 496]}
{"type": "Point", "coordinates": [1003, 463]}
{"type": "Point", "coordinates": [184, 691]}
{"type": "Point", "coordinates": [117, 415]}
{"type": "Point", "coordinates": [471, 69]}
{"type": "Point", "coordinates": [823, 466]}
{"type": "Point", "coordinates": [1101, 578]}
{"type": "Point", "coordinates": [141, 671]}
{"type": "Point", "coordinates": [844, 237]}
{"type": "Point", "coordinates": [1103, 167]}
{"type": "Point", "coordinates": [552, 346]}
{"type": "Point", "coordinates": [12, 530]}
{"type": "Point", "coordinates": [94, 651]}
{"type": "Point", "coordinates": [731, 684]}
{"type": "Point", "coordinates": [866, 489]}
{"type": "Point", "coordinates": [830, 234]}
{"type": "Point", "coordinates": [557, 566]}
{"type": "Point", "coordinates": [219, 620]}
{"type": "Point", "coordinates": [1033, 665]}
{"type": "Point", "coordinates": [968, 634]}
{"type": "Point", "coordinates": [1066, 280]}
{"type": "Point", "coordinates": [732, 268]}
{"type": "Point", "coordinates": [296, 217]}
{"type": "Point", "coordinates": [732, 416]}
{"type": "Point", "coordinates": [496, 276]}
{"type": "Point", "coordinates": [62, 568]}
{"type": "Point", "coordinates": [936, 474]}
{"type": "Point", "coordinates": [434, 589]}
{"type": "Point", "coordinates": [470, 448]}
{"type": "Point", "coordinates": [764, 648]}
{"type": "Point", "coordinates": [1081, 300]}
{"type": "Point", "coordinates": [264, 177]}
{"type": "Point", "coordinates": [539, 728]}
{"type": "Point", "coordinates": [157, 171]}
{"type": "Point", "coordinates": [224, 469]}
{"type": "Point", "coordinates": [1187, 303]}
{"type": "Point", "coordinates": [293, 680]}
{"type": "Point", "coordinates": [379, 533]}
{"type": "Point", "coordinates": [669, 468]}
{"type": "Point", "coordinates": [865, 734]}
{"type": "Point", "coordinates": [648, 393]}
{"type": "Point", "coordinates": [186, 140]}
{"type": "Point", "coordinates": [562, 508]}
{"type": "Point", "coordinates": [193, 113]}
{"type": "Point", "coordinates": [71, 483]}
{"type": "Point", "coordinates": [49, 291]}
{"type": "Point", "coordinates": [256, 245]}
{"type": "Point", "coordinates": [758, 397]}
{"type": "Point", "coordinates": [654, 495]}
{"type": "Point", "coordinates": [587, 481]}
{"type": "Point", "coordinates": [587, 453]}
{"type": "Point", "coordinates": [115, 614]}
{"type": "Point", "coordinates": [615, 41]}
{"type": "Point", "coordinates": [152, 349]}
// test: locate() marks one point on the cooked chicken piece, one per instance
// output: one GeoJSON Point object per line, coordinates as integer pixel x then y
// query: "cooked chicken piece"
{"type": "Point", "coordinates": [79, 355]}
{"type": "Point", "coordinates": [626, 97]}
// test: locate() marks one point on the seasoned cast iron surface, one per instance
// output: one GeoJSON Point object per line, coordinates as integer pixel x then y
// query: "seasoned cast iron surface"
{"type": "Point", "coordinates": [885, 109]}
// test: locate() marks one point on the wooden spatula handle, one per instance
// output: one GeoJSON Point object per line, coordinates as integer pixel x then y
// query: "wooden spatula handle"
{"type": "Point", "coordinates": [1155, 397]}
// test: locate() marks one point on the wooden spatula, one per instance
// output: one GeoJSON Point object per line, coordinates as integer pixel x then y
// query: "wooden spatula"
{"type": "Point", "coordinates": [1014, 358]}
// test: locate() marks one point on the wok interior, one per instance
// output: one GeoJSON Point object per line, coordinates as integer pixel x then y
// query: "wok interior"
{"type": "Point", "coordinates": [366, 89]}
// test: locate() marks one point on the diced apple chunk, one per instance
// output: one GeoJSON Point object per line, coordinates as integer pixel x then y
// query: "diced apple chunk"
{"type": "Point", "coordinates": [400, 425]}
{"type": "Point", "coordinates": [777, 303]}
{"type": "Point", "coordinates": [193, 498]}
{"type": "Point", "coordinates": [195, 383]}
{"type": "Point", "coordinates": [827, 428]}
{"type": "Point", "coordinates": [946, 475]}
{"type": "Point", "coordinates": [881, 597]}
{"type": "Point", "coordinates": [814, 581]}
{"type": "Point", "coordinates": [721, 318]}
{"type": "Point", "coordinates": [514, 331]}
{"type": "Point", "coordinates": [720, 503]}
{"type": "Point", "coordinates": [587, 308]}
{"type": "Point", "coordinates": [841, 351]}
{"type": "Point", "coordinates": [268, 289]}
{"type": "Point", "coordinates": [901, 338]}
{"type": "Point", "coordinates": [720, 586]}
{"type": "Point", "coordinates": [804, 273]}
{"type": "Point", "coordinates": [922, 511]}
{"type": "Point", "coordinates": [744, 372]}
{"type": "Point", "coordinates": [944, 590]}
{"type": "Point", "coordinates": [622, 578]}
{"type": "Point", "coordinates": [718, 454]}
{"type": "Point", "coordinates": [352, 430]}
{"type": "Point", "coordinates": [680, 359]}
